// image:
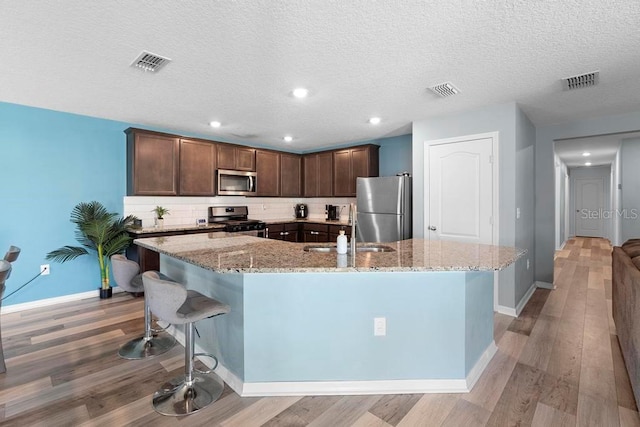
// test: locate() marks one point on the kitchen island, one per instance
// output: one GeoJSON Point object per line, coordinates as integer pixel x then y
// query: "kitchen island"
{"type": "Point", "coordinates": [302, 323]}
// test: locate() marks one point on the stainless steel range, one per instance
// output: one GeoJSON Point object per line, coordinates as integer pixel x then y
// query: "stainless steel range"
{"type": "Point", "coordinates": [236, 220]}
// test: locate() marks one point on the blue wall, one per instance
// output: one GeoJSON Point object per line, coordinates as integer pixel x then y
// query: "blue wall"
{"type": "Point", "coordinates": [51, 161]}
{"type": "Point", "coordinates": [395, 154]}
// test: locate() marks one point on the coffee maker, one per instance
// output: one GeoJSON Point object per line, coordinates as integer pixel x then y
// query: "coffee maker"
{"type": "Point", "coordinates": [332, 212]}
{"type": "Point", "coordinates": [301, 210]}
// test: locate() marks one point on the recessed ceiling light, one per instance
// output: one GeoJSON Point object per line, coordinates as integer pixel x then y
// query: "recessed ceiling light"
{"type": "Point", "coordinates": [300, 92]}
{"type": "Point", "coordinates": [215, 124]}
{"type": "Point", "coordinates": [288, 138]}
{"type": "Point", "coordinates": [586, 154]}
{"type": "Point", "coordinates": [374, 120]}
{"type": "Point", "coordinates": [588, 164]}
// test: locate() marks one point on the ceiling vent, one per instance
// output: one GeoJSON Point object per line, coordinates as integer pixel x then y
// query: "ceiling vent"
{"type": "Point", "coordinates": [581, 81]}
{"type": "Point", "coordinates": [444, 89]}
{"type": "Point", "coordinates": [148, 61]}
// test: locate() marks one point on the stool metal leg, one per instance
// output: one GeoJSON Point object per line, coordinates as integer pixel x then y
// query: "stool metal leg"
{"type": "Point", "coordinates": [148, 345]}
{"type": "Point", "coordinates": [187, 394]}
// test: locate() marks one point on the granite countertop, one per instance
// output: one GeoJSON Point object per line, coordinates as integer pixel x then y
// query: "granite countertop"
{"type": "Point", "coordinates": [173, 228]}
{"type": "Point", "coordinates": [214, 227]}
{"type": "Point", "coordinates": [307, 220]}
{"type": "Point", "coordinates": [228, 253]}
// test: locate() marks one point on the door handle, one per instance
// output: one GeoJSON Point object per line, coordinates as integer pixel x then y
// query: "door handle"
{"type": "Point", "coordinates": [432, 228]}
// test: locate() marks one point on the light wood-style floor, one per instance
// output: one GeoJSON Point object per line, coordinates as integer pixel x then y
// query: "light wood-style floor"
{"type": "Point", "coordinates": [558, 364]}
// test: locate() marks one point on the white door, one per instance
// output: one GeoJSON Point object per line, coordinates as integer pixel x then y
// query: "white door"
{"type": "Point", "coordinates": [589, 207]}
{"type": "Point", "coordinates": [460, 191]}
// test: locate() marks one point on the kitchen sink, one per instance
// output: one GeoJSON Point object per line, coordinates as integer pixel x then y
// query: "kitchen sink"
{"type": "Point", "coordinates": [368, 248]}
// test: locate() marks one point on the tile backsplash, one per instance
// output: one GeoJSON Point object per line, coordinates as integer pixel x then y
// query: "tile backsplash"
{"type": "Point", "coordinates": [185, 210]}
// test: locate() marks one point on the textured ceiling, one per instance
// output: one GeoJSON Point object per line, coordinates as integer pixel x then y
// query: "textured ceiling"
{"type": "Point", "coordinates": [237, 62]}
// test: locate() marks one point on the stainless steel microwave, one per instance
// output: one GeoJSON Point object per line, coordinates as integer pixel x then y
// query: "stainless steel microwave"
{"type": "Point", "coordinates": [236, 183]}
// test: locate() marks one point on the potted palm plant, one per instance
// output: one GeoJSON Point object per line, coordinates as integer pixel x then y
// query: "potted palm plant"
{"type": "Point", "coordinates": [160, 213]}
{"type": "Point", "coordinates": [98, 231]}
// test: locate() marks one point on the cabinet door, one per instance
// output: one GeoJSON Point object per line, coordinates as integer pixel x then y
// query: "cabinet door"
{"type": "Point", "coordinates": [152, 164]}
{"type": "Point", "coordinates": [268, 173]}
{"type": "Point", "coordinates": [287, 231]}
{"type": "Point", "coordinates": [245, 159]}
{"type": "Point", "coordinates": [290, 178]}
{"type": "Point", "coordinates": [226, 156]}
{"type": "Point", "coordinates": [316, 233]}
{"type": "Point", "coordinates": [197, 168]}
{"type": "Point", "coordinates": [359, 166]}
{"type": "Point", "coordinates": [291, 231]}
{"type": "Point", "coordinates": [274, 231]}
{"type": "Point", "coordinates": [342, 185]}
{"type": "Point", "coordinates": [364, 161]}
{"type": "Point", "coordinates": [325, 174]}
{"type": "Point", "coordinates": [310, 167]}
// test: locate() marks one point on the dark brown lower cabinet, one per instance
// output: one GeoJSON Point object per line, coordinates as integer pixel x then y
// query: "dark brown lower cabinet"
{"type": "Point", "coordinates": [286, 231]}
{"type": "Point", "coordinates": [315, 233]}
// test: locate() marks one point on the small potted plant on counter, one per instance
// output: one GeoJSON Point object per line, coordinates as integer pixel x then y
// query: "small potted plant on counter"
{"type": "Point", "coordinates": [160, 213]}
{"type": "Point", "coordinates": [98, 231]}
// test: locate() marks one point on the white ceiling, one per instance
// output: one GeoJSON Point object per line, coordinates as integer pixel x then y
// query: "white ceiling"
{"type": "Point", "coordinates": [602, 149]}
{"type": "Point", "coordinates": [237, 62]}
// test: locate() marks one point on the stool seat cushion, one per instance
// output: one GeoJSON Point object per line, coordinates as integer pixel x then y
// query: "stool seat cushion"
{"type": "Point", "coordinates": [173, 303]}
{"type": "Point", "coordinates": [198, 307]}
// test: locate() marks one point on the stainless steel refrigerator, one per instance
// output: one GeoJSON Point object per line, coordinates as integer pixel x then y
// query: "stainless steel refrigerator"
{"type": "Point", "coordinates": [384, 209]}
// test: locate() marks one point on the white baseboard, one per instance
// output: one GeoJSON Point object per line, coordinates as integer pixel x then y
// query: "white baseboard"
{"type": "Point", "coordinates": [515, 312]}
{"type": "Point", "coordinates": [503, 309]}
{"type": "Point", "coordinates": [329, 388]}
{"type": "Point", "coordinates": [481, 364]}
{"type": "Point", "coordinates": [544, 285]}
{"type": "Point", "coordinates": [51, 301]}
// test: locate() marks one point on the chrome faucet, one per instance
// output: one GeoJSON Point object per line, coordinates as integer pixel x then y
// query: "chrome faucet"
{"type": "Point", "coordinates": [354, 223]}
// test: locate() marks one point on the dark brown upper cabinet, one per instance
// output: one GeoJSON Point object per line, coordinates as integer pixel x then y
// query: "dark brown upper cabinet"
{"type": "Point", "coordinates": [197, 167]}
{"type": "Point", "coordinates": [236, 157]}
{"type": "Point", "coordinates": [152, 163]}
{"type": "Point", "coordinates": [318, 174]}
{"type": "Point", "coordinates": [351, 163]}
{"type": "Point", "coordinates": [290, 175]}
{"type": "Point", "coordinates": [268, 173]}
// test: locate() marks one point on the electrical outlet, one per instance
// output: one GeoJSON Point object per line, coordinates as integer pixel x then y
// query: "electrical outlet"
{"type": "Point", "coordinates": [379, 326]}
{"type": "Point", "coordinates": [517, 213]}
{"type": "Point", "coordinates": [44, 269]}
{"type": "Point", "coordinates": [527, 263]}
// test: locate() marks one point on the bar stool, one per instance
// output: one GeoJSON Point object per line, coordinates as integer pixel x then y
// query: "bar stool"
{"type": "Point", "coordinates": [173, 303]}
{"type": "Point", "coordinates": [5, 272]}
{"type": "Point", "coordinates": [125, 273]}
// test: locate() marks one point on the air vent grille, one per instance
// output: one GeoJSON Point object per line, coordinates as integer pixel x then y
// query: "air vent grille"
{"type": "Point", "coordinates": [581, 81]}
{"type": "Point", "coordinates": [148, 61]}
{"type": "Point", "coordinates": [444, 89]}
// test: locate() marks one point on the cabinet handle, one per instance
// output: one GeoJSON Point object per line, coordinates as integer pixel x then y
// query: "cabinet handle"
{"type": "Point", "coordinates": [284, 233]}
{"type": "Point", "coordinates": [314, 232]}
